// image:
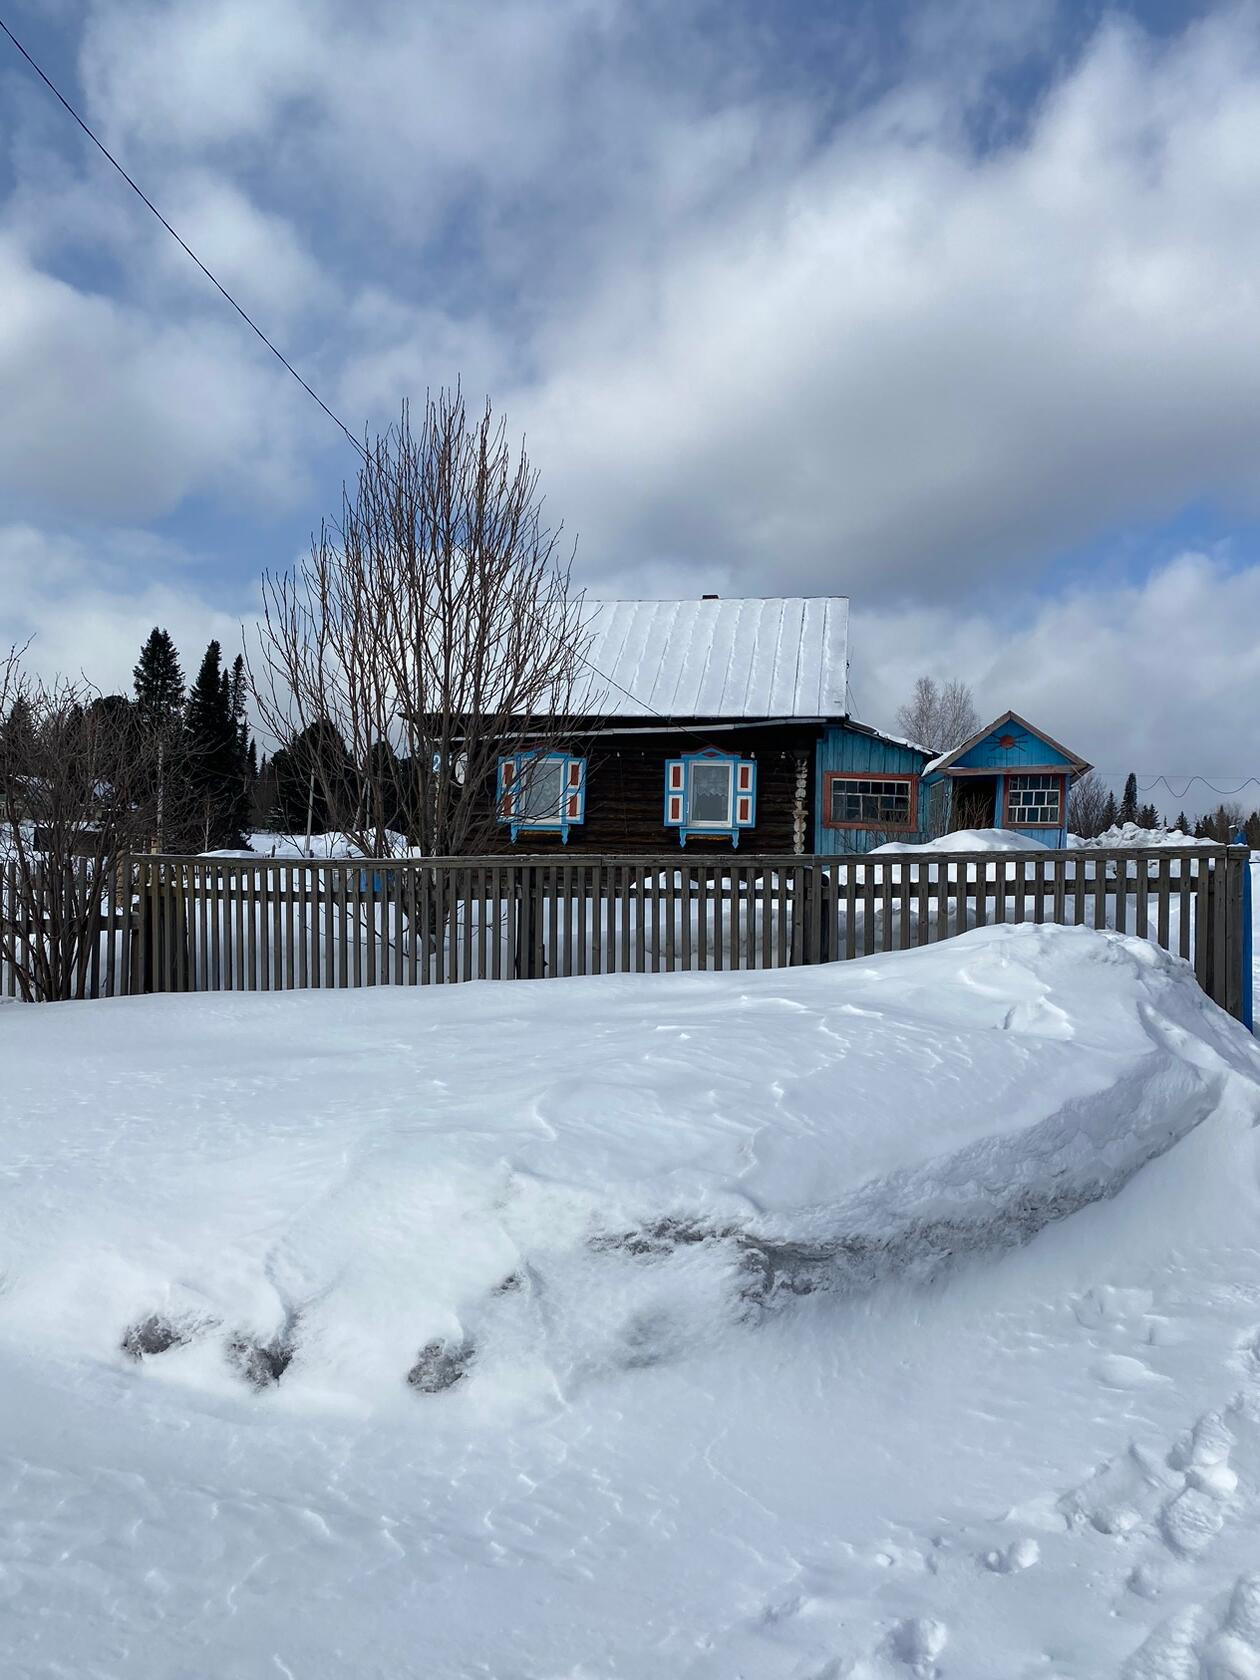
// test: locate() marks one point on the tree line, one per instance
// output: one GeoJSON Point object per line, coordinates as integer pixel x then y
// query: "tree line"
{"type": "Point", "coordinates": [86, 778]}
{"type": "Point", "coordinates": [1093, 809]}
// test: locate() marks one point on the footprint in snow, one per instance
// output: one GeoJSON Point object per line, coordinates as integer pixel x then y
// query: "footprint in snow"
{"type": "Point", "coordinates": [1201, 1646]}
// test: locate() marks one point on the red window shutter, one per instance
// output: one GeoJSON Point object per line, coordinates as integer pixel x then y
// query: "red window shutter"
{"type": "Point", "coordinates": [507, 776]}
{"type": "Point", "coordinates": [744, 811]}
{"type": "Point", "coordinates": [575, 772]}
{"type": "Point", "coordinates": [676, 776]}
{"type": "Point", "coordinates": [675, 807]}
{"type": "Point", "coordinates": [745, 778]}
{"type": "Point", "coordinates": [575, 807]}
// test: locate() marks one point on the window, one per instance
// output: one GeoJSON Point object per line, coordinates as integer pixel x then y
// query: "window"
{"type": "Point", "coordinates": [710, 793]}
{"type": "Point", "coordinates": [1034, 801]}
{"type": "Point", "coordinates": [542, 792]}
{"type": "Point", "coordinates": [857, 800]}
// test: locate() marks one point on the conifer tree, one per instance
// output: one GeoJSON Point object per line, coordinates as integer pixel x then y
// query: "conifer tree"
{"type": "Point", "coordinates": [245, 765]}
{"type": "Point", "coordinates": [159, 682]}
{"type": "Point", "coordinates": [1111, 814]}
{"type": "Point", "coordinates": [1129, 803]}
{"type": "Point", "coordinates": [1183, 822]}
{"type": "Point", "coordinates": [212, 742]}
{"type": "Point", "coordinates": [159, 691]}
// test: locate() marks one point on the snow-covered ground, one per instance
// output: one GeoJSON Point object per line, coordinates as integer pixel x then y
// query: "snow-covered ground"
{"type": "Point", "coordinates": [1125, 835]}
{"type": "Point", "coordinates": [269, 843]}
{"type": "Point", "coordinates": [891, 1319]}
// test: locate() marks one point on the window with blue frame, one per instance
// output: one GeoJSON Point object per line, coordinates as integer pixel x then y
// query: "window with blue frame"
{"type": "Point", "coordinates": [710, 793]}
{"type": "Point", "coordinates": [541, 792]}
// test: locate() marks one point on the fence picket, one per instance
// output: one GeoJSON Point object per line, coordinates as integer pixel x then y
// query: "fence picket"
{"type": "Point", "coordinates": [176, 924]}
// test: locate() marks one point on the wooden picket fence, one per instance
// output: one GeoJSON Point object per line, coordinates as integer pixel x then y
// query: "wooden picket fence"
{"type": "Point", "coordinates": [186, 924]}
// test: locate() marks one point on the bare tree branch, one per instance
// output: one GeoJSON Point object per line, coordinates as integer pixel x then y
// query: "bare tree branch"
{"type": "Point", "coordinates": [83, 781]}
{"type": "Point", "coordinates": [940, 718]}
{"type": "Point", "coordinates": [431, 631]}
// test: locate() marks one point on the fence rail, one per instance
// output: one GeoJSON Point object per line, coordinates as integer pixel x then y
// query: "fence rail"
{"type": "Point", "coordinates": [241, 924]}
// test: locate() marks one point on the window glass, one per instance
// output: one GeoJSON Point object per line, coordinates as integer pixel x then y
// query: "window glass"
{"type": "Point", "coordinates": [1034, 800]}
{"type": "Point", "coordinates": [870, 800]}
{"type": "Point", "coordinates": [541, 789]}
{"type": "Point", "coordinates": [709, 795]}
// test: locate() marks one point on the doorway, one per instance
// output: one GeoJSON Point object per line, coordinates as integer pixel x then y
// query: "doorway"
{"type": "Point", "coordinates": [975, 803]}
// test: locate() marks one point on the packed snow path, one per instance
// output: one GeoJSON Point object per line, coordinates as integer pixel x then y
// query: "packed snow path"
{"type": "Point", "coordinates": [898, 1318]}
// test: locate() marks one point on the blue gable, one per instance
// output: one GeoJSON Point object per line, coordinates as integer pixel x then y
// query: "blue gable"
{"type": "Point", "coordinates": [1009, 771]}
{"type": "Point", "coordinates": [1012, 746]}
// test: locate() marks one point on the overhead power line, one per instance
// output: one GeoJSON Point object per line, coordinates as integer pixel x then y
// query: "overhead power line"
{"type": "Point", "coordinates": [361, 451]}
{"type": "Point", "coordinates": [183, 244]}
{"type": "Point", "coordinates": [245, 316]}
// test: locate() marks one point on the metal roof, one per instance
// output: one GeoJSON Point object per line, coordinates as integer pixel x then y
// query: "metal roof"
{"type": "Point", "coordinates": [780, 658]}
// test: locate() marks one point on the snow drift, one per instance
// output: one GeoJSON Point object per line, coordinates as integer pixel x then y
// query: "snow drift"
{"type": "Point", "coordinates": [614, 1327]}
{"type": "Point", "coordinates": [530, 1185]}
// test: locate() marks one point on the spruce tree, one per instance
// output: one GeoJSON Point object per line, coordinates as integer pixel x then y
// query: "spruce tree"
{"type": "Point", "coordinates": [159, 682]}
{"type": "Point", "coordinates": [212, 743]}
{"type": "Point", "coordinates": [1111, 814]}
{"type": "Point", "coordinates": [159, 691]}
{"type": "Point", "coordinates": [1183, 822]}
{"type": "Point", "coordinates": [1129, 803]}
{"type": "Point", "coordinates": [246, 764]}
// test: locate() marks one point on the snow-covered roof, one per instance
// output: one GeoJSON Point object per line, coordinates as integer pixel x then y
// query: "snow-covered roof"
{"type": "Point", "coordinates": [780, 658]}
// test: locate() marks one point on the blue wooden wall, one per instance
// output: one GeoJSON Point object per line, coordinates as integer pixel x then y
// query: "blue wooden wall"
{"type": "Point", "coordinates": [1028, 751]}
{"type": "Point", "coordinates": [846, 749]}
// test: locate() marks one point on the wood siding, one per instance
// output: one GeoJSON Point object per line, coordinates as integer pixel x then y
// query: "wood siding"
{"type": "Point", "coordinates": [848, 750]}
{"type": "Point", "coordinates": [625, 790]}
{"type": "Point", "coordinates": [1028, 754]}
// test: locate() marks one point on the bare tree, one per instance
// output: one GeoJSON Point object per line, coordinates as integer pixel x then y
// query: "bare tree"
{"type": "Point", "coordinates": [941, 718]}
{"type": "Point", "coordinates": [1088, 807]}
{"type": "Point", "coordinates": [79, 788]}
{"type": "Point", "coordinates": [432, 632]}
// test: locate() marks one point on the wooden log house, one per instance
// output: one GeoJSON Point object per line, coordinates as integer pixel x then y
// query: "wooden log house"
{"type": "Point", "coordinates": [723, 725]}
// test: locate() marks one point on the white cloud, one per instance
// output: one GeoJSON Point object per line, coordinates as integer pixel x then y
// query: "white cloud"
{"type": "Point", "coordinates": [766, 332]}
{"type": "Point", "coordinates": [885, 362]}
{"type": "Point", "coordinates": [121, 416]}
{"type": "Point", "coordinates": [1145, 676]}
{"type": "Point", "coordinates": [86, 608]}
{"type": "Point", "coordinates": [908, 364]}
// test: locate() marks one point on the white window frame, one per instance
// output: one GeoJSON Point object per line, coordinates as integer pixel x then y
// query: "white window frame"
{"type": "Point", "coordinates": [724, 823]}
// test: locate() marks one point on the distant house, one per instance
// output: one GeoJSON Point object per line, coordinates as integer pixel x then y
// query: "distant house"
{"type": "Point", "coordinates": [722, 724]}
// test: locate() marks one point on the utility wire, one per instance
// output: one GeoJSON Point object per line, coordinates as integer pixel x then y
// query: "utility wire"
{"type": "Point", "coordinates": [1162, 781]}
{"type": "Point", "coordinates": [245, 316]}
{"type": "Point", "coordinates": [359, 448]}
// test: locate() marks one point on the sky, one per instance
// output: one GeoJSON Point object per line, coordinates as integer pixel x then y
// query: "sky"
{"type": "Point", "coordinates": [952, 308]}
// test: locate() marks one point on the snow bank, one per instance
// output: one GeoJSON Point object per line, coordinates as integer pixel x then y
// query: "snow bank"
{"type": "Point", "coordinates": [493, 1169]}
{"type": "Point", "coordinates": [703, 1325]}
{"type": "Point", "coordinates": [1126, 836]}
{"type": "Point", "coordinates": [967, 840]}
{"type": "Point", "coordinates": [331, 845]}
